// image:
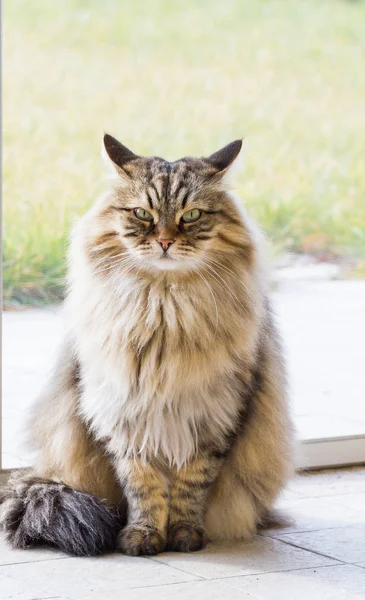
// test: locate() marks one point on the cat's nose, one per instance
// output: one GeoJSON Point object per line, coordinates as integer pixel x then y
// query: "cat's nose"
{"type": "Point", "coordinates": [165, 244]}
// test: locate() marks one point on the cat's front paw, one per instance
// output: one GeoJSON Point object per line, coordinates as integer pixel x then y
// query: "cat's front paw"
{"type": "Point", "coordinates": [136, 541]}
{"type": "Point", "coordinates": [186, 537]}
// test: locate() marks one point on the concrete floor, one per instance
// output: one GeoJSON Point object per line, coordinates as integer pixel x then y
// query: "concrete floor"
{"type": "Point", "coordinates": [320, 557]}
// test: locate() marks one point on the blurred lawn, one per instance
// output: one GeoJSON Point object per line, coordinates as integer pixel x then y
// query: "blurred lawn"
{"type": "Point", "coordinates": [175, 77]}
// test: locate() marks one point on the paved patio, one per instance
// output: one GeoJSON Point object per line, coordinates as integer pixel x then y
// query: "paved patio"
{"type": "Point", "coordinates": [321, 557]}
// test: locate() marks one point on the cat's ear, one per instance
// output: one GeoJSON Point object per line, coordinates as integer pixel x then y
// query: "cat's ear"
{"type": "Point", "coordinates": [119, 155]}
{"type": "Point", "coordinates": [223, 159]}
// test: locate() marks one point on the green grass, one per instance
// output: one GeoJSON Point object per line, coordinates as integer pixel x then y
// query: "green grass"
{"type": "Point", "coordinates": [177, 77]}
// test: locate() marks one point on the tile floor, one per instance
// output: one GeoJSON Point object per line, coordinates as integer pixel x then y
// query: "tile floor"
{"type": "Point", "coordinates": [320, 557]}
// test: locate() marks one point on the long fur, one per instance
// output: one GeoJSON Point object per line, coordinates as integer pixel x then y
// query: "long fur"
{"type": "Point", "coordinates": [172, 371]}
{"type": "Point", "coordinates": [34, 512]}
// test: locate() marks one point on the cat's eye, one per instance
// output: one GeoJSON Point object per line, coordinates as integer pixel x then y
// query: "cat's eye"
{"type": "Point", "coordinates": [191, 215]}
{"type": "Point", "coordinates": [143, 214]}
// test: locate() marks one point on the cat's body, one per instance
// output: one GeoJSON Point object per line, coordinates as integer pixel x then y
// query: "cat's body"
{"type": "Point", "coordinates": [163, 379]}
{"type": "Point", "coordinates": [169, 396]}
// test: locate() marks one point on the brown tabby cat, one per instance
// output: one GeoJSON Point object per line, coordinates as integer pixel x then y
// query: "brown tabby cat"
{"type": "Point", "coordinates": [166, 422]}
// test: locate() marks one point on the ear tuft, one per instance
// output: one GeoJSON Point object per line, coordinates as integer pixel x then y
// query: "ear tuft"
{"type": "Point", "coordinates": [223, 158]}
{"type": "Point", "coordinates": [117, 153]}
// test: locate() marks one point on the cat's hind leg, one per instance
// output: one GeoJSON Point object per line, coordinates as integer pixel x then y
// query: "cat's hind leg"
{"type": "Point", "coordinates": [260, 461]}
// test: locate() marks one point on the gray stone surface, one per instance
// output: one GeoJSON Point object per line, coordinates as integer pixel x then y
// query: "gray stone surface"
{"type": "Point", "coordinates": [321, 555]}
{"type": "Point", "coordinates": [340, 582]}
{"type": "Point", "coordinates": [320, 564]}
{"type": "Point", "coordinates": [260, 555]}
{"type": "Point", "coordinates": [345, 544]}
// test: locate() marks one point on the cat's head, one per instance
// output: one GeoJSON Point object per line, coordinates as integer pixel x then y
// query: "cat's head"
{"type": "Point", "coordinates": [169, 216]}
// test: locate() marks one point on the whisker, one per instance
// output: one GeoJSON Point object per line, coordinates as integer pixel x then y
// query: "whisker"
{"type": "Point", "coordinates": [106, 258]}
{"type": "Point", "coordinates": [225, 268]}
{"type": "Point", "coordinates": [122, 262]}
{"type": "Point", "coordinates": [214, 274]}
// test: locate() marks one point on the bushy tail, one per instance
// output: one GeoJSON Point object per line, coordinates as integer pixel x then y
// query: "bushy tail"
{"type": "Point", "coordinates": [35, 511]}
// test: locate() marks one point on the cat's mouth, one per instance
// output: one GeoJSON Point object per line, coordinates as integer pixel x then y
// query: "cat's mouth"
{"type": "Point", "coordinates": [166, 262]}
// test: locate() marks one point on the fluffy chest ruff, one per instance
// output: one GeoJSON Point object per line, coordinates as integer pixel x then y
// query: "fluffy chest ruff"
{"type": "Point", "coordinates": [161, 367]}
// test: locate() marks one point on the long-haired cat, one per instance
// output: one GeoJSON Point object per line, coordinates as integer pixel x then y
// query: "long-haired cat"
{"type": "Point", "coordinates": [165, 423]}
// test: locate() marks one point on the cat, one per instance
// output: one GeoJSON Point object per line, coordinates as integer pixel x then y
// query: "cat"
{"type": "Point", "coordinates": [166, 422]}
